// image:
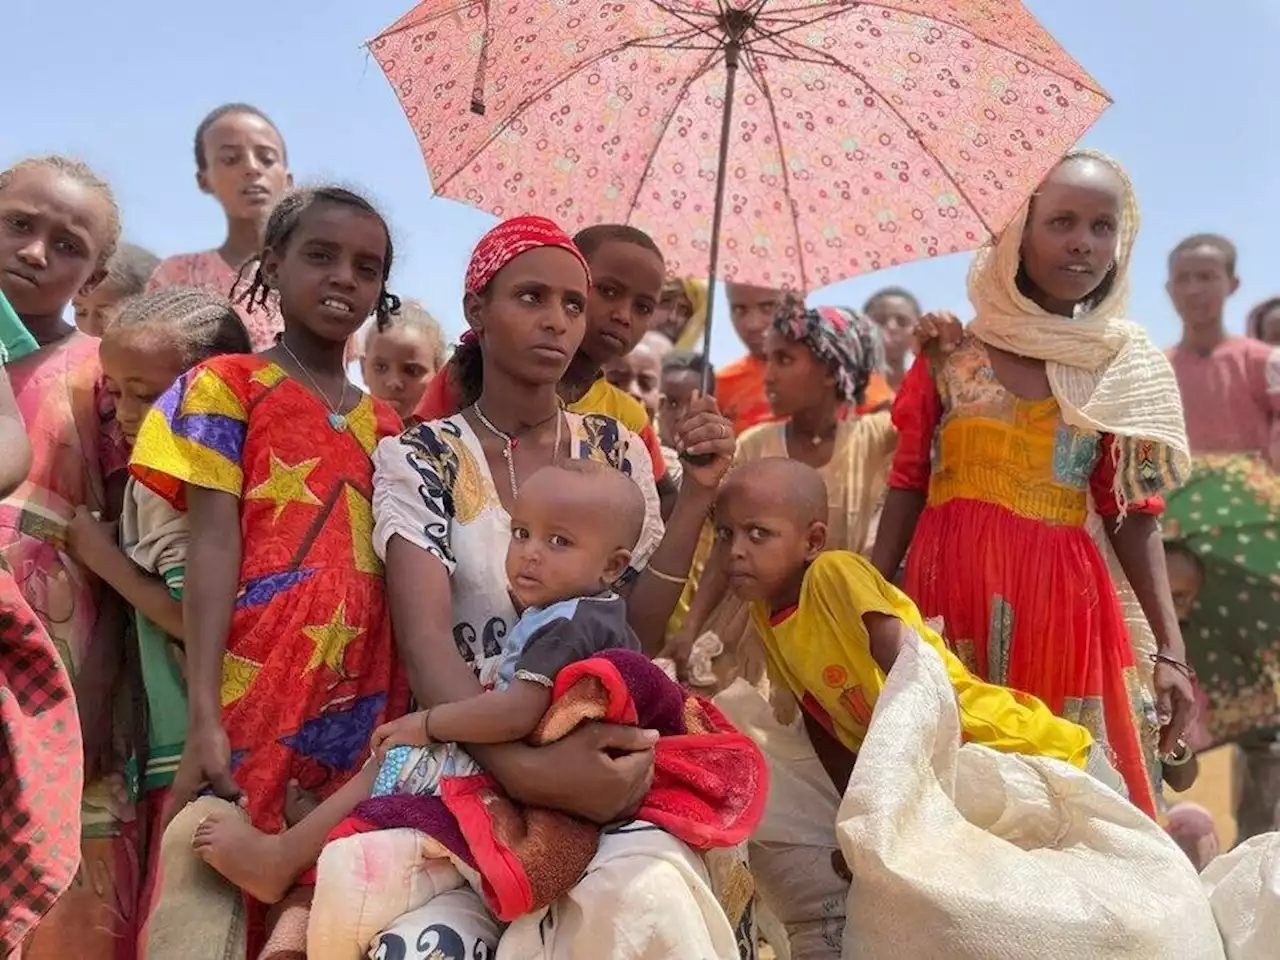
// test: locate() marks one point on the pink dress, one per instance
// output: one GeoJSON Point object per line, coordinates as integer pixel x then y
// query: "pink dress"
{"type": "Point", "coordinates": [75, 449]}
{"type": "Point", "coordinates": [207, 271]}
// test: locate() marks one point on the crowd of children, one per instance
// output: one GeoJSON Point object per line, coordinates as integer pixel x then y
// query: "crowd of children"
{"type": "Point", "coordinates": [270, 595]}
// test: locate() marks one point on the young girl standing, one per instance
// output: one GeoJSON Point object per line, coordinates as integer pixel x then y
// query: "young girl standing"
{"type": "Point", "coordinates": [289, 659]}
{"type": "Point", "coordinates": [154, 340]}
{"type": "Point", "coordinates": [241, 162]}
{"type": "Point", "coordinates": [58, 228]}
{"type": "Point", "coordinates": [1050, 400]}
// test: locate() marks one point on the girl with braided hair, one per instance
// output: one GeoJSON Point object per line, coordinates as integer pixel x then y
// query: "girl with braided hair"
{"type": "Point", "coordinates": [290, 665]}
{"type": "Point", "coordinates": [155, 338]}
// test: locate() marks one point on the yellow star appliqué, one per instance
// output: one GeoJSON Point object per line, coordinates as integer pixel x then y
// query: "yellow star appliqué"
{"type": "Point", "coordinates": [285, 485]}
{"type": "Point", "coordinates": [331, 640]}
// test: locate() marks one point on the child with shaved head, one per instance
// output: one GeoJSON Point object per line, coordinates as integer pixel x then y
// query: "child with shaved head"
{"type": "Point", "coordinates": [832, 627]}
{"type": "Point", "coordinates": [574, 525]}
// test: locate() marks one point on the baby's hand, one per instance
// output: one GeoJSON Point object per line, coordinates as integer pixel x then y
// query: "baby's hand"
{"type": "Point", "coordinates": [409, 731]}
{"type": "Point", "coordinates": [938, 333]}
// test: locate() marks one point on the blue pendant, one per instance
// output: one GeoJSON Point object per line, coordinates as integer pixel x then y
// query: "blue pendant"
{"type": "Point", "coordinates": [338, 422]}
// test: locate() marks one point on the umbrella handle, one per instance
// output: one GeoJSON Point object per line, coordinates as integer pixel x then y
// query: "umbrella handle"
{"type": "Point", "coordinates": [697, 459]}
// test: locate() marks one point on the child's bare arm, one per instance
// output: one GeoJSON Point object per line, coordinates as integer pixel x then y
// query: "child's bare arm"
{"type": "Point", "coordinates": [836, 758]}
{"type": "Point", "coordinates": [885, 635]}
{"type": "Point", "coordinates": [898, 519]}
{"type": "Point", "coordinates": [498, 716]}
{"type": "Point", "coordinates": [90, 542]}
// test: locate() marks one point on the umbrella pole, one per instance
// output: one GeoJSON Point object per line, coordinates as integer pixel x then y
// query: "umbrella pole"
{"type": "Point", "coordinates": [733, 48]}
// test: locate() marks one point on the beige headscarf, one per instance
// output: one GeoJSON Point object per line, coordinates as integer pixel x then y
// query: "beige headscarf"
{"type": "Point", "coordinates": [1104, 371]}
{"type": "Point", "coordinates": [691, 336]}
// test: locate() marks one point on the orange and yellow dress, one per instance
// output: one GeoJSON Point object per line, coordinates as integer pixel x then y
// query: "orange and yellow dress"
{"type": "Point", "coordinates": [1002, 555]}
{"type": "Point", "coordinates": [820, 651]}
{"type": "Point", "coordinates": [310, 669]}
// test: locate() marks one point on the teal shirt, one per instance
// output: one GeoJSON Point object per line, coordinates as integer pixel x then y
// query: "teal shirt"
{"type": "Point", "coordinates": [166, 693]}
{"type": "Point", "coordinates": [15, 341]}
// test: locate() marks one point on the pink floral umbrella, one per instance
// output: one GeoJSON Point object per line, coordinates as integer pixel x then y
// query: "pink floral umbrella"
{"type": "Point", "coordinates": [861, 136]}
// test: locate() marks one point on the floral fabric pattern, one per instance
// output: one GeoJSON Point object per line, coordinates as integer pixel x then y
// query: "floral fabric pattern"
{"type": "Point", "coordinates": [863, 137]}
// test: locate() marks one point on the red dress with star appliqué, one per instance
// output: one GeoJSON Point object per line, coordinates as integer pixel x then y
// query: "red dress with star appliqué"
{"type": "Point", "coordinates": [310, 669]}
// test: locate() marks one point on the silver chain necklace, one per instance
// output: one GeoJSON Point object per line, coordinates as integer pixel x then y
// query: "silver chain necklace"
{"type": "Point", "coordinates": [512, 441]}
{"type": "Point", "coordinates": [337, 419]}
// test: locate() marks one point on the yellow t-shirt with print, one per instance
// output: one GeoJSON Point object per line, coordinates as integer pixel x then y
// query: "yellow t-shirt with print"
{"type": "Point", "coordinates": [821, 652]}
{"type": "Point", "coordinates": [603, 397]}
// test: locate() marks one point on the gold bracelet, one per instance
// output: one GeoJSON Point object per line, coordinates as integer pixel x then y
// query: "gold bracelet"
{"type": "Point", "coordinates": [426, 726]}
{"type": "Point", "coordinates": [666, 577]}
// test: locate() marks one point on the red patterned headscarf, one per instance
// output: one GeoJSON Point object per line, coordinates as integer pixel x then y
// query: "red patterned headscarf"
{"type": "Point", "coordinates": [495, 250]}
{"type": "Point", "coordinates": [511, 238]}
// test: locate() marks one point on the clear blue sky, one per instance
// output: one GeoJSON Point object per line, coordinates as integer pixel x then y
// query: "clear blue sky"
{"type": "Point", "coordinates": [123, 84]}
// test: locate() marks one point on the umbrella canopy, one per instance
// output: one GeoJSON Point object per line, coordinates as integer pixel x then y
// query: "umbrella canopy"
{"type": "Point", "coordinates": [1228, 515]}
{"type": "Point", "coordinates": [859, 136]}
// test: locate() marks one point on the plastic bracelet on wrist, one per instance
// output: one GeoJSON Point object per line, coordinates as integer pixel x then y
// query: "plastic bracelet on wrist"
{"type": "Point", "coordinates": [666, 577]}
{"type": "Point", "coordinates": [426, 726]}
{"type": "Point", "coordinates": [1181, 666]}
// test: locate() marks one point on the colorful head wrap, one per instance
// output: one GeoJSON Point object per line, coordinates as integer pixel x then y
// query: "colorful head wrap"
{"type": "Point", "coordinates": [842, 338]}
{"type": "Point", "coordinates": [508, 240]}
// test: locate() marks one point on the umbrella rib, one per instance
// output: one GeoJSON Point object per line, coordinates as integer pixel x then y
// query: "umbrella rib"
{"type": "Point", "coordinates": [694, 77]}
{"type": "Point", "coordinates": [906, 124]}
{"type": "Point", "coordinates": [768, 34]}
{"type": "Point", "coordinates": [525, 104]}
{"type": "Point", "coordinates": [680, 15]}
{"type": "Point", "coordinates": [757, 77]}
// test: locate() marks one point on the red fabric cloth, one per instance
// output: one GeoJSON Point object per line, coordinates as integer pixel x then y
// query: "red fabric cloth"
{"type": "Point", "coordinates": [1027, 604]}
{"type": "Point", "coordinates": [441, 399]}
{"type": "Point", "coordinates": [41, 771]}
{"type": "Point", "coordinates": [508, 240]}
{"type": "Point", "coordinates": [310, 668]}
{"type": "Point", "coordinates": [740, 393]}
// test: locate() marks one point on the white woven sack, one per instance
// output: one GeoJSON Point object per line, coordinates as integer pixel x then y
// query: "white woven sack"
{"type": "Point", "coordinates": [962, 853]}
{"type": "Point", "coordinates": [1244, 891]}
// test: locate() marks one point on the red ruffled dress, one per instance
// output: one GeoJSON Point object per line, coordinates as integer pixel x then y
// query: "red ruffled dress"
{"type": "Point", "coordinates": [1001, 553]}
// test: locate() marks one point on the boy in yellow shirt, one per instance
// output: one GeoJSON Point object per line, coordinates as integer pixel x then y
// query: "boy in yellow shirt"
{"type": "Point", "coordinates": [832, 627]}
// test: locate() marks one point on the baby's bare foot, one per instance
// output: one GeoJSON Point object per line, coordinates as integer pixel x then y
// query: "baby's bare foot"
{"type": "Point", "coordinates": [297, 803]}
{"type": "Point", "coordinates": [246, 856]}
